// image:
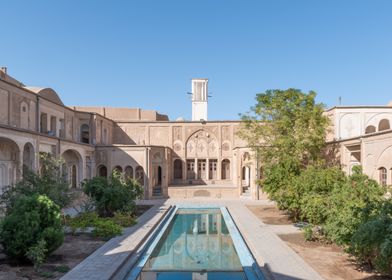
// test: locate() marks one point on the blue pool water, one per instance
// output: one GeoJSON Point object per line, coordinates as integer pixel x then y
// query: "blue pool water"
{"type": "Point", "coordinates": [196, 244]}
{"type": "Point", "coordinates": [196, 240]}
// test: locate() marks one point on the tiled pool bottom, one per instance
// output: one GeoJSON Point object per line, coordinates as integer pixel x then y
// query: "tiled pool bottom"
{"type": "Point", "coordinates": [197, 243]}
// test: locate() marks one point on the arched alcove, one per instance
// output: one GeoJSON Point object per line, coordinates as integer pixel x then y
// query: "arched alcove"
{"type": "Point", "coordinates": [85, 133]}
{"type": "Point", "coordinates": [128, 172]}
{"type": "Point", "coordinates": [74, 165]}
{"type": "Point", "coordinates": [139, 175]}
{"type": "Point", "coordinates": [383, 125]}
{"type": "Point", "coordinates": [382, 172]}
{"type": "Point", "coordinates": [370, 129]}
{"type": "Point", "coordinates": [28, 157]}
{"type": "Point", "coordinates": [225, 169]}
{"type": "Point", "coordinates": [102, 171]}
{"type": "Point", "coordinates": [9, 157]}
{"type": "Point", "coordinates": [177, 166]}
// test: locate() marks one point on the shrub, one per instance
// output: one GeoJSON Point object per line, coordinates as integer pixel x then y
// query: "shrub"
{"type": "Point", "coordinates": [314, 187]}
{"type": "Point", "coordinates": [123, 219]}
{"type": "Point", "coordinates": [83, 220]}
{"type": "Point", "coordinates": [37, 253]}
{"type": "Point", "coordinates": [372, 241]}
{"type": "Point", "coordinates": [103, 227]}
{"type": "Point", "coordinates": [106, 229]}
{"type": "Point", "coordinates": [32, 230]}
{"type": "Point", "coordinates": [308, 233]}
{"type": "Point", "coordinates": [350, 206]}
{"type": "Point", "coordinates": [49, 183]}
{"type": "Point", "coordinates": [116, 194]}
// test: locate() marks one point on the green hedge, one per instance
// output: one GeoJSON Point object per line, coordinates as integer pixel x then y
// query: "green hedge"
{"type": "Point", "coordinates": [103, 227]}
{"type": "Point", "coordinates": [350, 210]}
{"type": "Point", "coordinates": [32, 230]}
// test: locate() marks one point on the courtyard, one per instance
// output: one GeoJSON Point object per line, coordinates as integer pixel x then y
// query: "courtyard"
{"type": "Point", "coordinates": [196, 140]}
{"type": "Point", "coordinates": [276, 242]}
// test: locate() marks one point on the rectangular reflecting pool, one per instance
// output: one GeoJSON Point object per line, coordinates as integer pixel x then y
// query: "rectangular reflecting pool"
{"type": "Point", "coordinates": [197, 243]}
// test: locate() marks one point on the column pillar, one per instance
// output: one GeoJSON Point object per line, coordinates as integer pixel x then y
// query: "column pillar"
{"type": "Point", "coordinates": [219, 169]}
{"type": "Point", "coordinates": [166, 168]}
{"type": "Point", "coordinates": [184, 169]}
{"type": "Point", "coordinates": [196, 169]}
{"type": "Point", "coordinates": [19, 165]}
{"type": "Point", "coordinates": [207, 169]}
{"type": "Point", "coordinates": [247, 176]}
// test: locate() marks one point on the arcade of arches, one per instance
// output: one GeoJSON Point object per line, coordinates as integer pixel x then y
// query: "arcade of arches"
{"type": "Point", "coordinates": [202, 160]}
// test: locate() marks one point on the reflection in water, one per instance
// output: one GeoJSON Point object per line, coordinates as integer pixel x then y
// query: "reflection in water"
{"type": "Point", "coordinates": [196, 240]}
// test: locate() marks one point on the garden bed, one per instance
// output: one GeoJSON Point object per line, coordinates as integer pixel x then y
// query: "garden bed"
{"type": "Point", "coordinates": [75, 249]}
{"type": "Point", "coordinates": [329, 260]}
{"type": "Point", "coordinates": [270, 215]}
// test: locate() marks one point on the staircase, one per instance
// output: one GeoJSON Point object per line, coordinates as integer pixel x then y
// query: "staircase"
{"type": "Point", "coordinates": [246, 191]}
{"type": "Point", "coordinates": [157, 191]}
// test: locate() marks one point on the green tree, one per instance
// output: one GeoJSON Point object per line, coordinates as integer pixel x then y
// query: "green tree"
{"type": "Point", "coordinates": [351, 205]}
{"type": "Point", "coordinates": [32, 229]}
{"type": "Point", "coordinates": [372, 241]}
{"type": "Point", "coordinates": [50, 182]}
{"type": "Point", "coordinates": [287, 130]}
{"type": "Point", "coordinates": [114, 194]}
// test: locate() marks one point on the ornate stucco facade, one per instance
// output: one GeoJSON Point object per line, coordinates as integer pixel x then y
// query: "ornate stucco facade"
{"type": "Point", "coordinates": [180, 158]}
{"type": "Point", "coordinates": [169, 158]}
{"type": "Point", "coordinates": [362, 136]}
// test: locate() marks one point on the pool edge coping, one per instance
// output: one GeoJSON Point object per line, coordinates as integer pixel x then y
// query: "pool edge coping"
{"type": "Point", "coordinates": [252, 271]}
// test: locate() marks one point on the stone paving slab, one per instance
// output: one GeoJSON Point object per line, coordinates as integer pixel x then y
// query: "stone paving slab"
{"type": "Point", "coordinates": [269, 249]}
{"type": "Point", "coordinates": [284, 229]}
{"type": "Point", "coordinates": [106, 260]}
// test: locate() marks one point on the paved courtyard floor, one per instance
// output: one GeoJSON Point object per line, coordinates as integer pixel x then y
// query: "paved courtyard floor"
{"type": "Point", "coordinates": [276, 259]}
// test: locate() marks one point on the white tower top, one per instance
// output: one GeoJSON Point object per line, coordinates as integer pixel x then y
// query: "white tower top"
{"type": "Point", "coordinates": [199, 99]}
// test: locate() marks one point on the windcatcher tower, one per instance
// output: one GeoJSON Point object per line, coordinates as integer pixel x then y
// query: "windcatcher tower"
{"type": "Point", "coordinates": [199, 99]}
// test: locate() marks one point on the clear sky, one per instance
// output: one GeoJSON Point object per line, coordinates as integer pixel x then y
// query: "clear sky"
{"type": "Point", "coordinates": [144, 53]}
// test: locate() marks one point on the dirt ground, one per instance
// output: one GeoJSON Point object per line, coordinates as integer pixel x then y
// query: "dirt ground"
{"type": "Point", "coordinates": [73, 251]}
{"type": "Point", "coordinates": [329, 260]}
{"type": "Point", "coordinates": [270, 215]}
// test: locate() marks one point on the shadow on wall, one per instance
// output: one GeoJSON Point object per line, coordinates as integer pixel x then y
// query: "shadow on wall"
{"type": "Point", "coordinates": [121, 137]}
{"type": "Point", "coordinates": [127, 165]}
{"type": "Point", "coordinates": [332, 154]}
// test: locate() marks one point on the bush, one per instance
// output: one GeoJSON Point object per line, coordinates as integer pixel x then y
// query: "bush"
{"type": "Point", "coordinates": [103, 227]}
{"type": "Point", "coordinates": [37, 253]}
{"type": "Point", "coordinates": [372, 241]}
{"type": "Point", "coordinates": [49, 183]}
{"type": "Point", "coordinates": [32, 230]}
{"type": "Point", "coordinates": [106, 229]}
{"type": "Point", "coordinates": [116, 194]}
{"type": "Point", "coordinates": [350, 206]}
{"type": "Point", "coordinates": [123, 219]}
{"type": "Point", "coordinates": [308, 233]}
{"type": "Point", "coordinates": [83, 220]}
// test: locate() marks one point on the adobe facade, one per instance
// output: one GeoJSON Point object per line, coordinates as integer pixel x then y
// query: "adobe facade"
{"type": "Point", "coordinates": [169, 158]}
{"type": "Point", "coordinates": [180, 159]}
{"type": "Point", "coordinates": [363, 136]}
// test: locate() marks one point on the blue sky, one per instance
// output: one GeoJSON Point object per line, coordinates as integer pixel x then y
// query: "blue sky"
{"type": "Point", "coordinates": [144, 53]}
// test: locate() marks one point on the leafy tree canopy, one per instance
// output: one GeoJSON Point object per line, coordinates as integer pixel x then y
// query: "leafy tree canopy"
{"type": "Point", "coordinates": [286, 127]}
